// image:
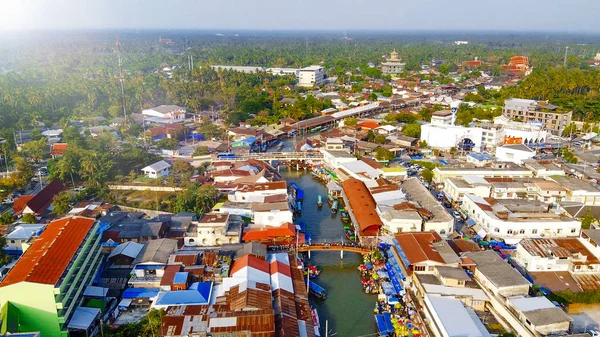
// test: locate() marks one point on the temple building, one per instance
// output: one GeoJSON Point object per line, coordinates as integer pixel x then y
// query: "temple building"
{"type": "Point", "coordinates": [394, 64]}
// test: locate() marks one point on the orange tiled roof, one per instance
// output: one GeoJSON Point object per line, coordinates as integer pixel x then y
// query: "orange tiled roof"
{"type": "Point", "coordinates": [418, 246]}
{"type": "Point", "coordinates": [50, 254]}
{"type": "Point", "coordinates": [363, 206]}
{"type": "Point", "coordinates": [285, 230]}
{"type": "Point", "coordinates": [249, 260]}
{"type": "Point", "coordinates": [58, 148]}
{"type": "Point", "coordinates": [21, 203]}
{"type": "Point", "coordinates": [369, 124]}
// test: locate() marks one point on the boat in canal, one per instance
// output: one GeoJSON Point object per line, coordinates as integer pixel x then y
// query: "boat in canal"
{"type": "Point", "coordinates": [315, 176]}
{"type": "Point", "coordinates": [344, 215]}
{"type": "Point", "coordinates": [316, 290]}
{"type": "Point", "coordinates": [312, 272]}
{"type": "Point", "coordinates": [330, 199]}
{"type": "Point", "coordinates": [280, 146]}
{"type": "Point", "coordinates": [334, 207]}
{"type": "Point", "coordinates": [319, 201]}
{"type": "Point", "coordinates": [350, 235]}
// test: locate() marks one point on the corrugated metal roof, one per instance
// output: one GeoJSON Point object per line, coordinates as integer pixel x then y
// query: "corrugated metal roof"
{"type": "Point", "coordinates": [49, 255]}
{"type": "Point", "coordinates": [363, 206]}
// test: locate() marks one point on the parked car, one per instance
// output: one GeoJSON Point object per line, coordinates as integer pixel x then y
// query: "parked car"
{"type": "Point", "coordinates": [79, 188]}
{"type": "Point", "coordinates": [456, 215]}
{"type": "Point", "coordinates": [447, 205]}
{"type": "Point", "coordinates": [8, 201]}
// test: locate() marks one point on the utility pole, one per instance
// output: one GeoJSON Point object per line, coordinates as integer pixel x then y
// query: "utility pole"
{"type": "Point", "coordinates": [121, 79]}
{"type": "Point", "coordinates": [565, 61]}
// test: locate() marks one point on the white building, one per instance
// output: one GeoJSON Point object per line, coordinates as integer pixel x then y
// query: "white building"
{"type": "Point", "coordinates": [157, 170]}
{"type": "Point", "coordinates": [519, 132]}
{"type": "Point", "coordinates": [165, 114]}
{"type": "Point", "coordinates": [556, 255]}
{"type": "Point", "coordinates": [242, 69]}
{"type": "Point", "coordinates": [514, 153]}
{"type": "Point", "coordinates": [579, 191]}
{"type": "Point", "coordinates": [448, 317]}
{"type": "Point", "coordinates": [440, 174]}
{"type": "Point", "coordinates": [214, 229]}
{"type": "Point", "coordinates": [311, 76]}
{"type": "Point", "coordinates": [456, 188]}
{"type": "Point", "coordinates": [442, 117]}
{"type": "Point", "coordinates": [20, 238]}
{"type": "Point", "coordinates": [445, 137]}
{"type": "Point", "coordinates": [271, 214]}
{"type": "Point", "coordinates": [515, 219]}
{"type": "Point", "coordinates": [335, 159]}
{"type": "Point", "coordinates": [257, 192]}
{"type": "Point", "coordinates": [283, 71]}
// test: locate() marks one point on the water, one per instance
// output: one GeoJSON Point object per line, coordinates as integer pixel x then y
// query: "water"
{"type": "Point", "coordinates": [347, 308]}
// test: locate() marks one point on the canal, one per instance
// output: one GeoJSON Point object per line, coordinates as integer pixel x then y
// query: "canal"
{"type": "Point", "coordinates": [347, 308]}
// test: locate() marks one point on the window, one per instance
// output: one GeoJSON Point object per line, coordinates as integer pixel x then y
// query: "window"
{"type": "Point", "coordinates": [12, 241]}
{"type": "Point", "coordinates": [443, 231]}
{"type": "Point", "coordinates": [522, 231]}
{"type": "Point", "coordinates": [573, 230]}
{"type": "Point", "coordinates": [497, 230]}
{"type": "Point", "coordinates": [510, 231]}
{"type": "Point", "coordinates": [534, 231]}
{"type": "Point", "coordinates": [419, 268]}
{"type": "Point", "coordinates": [191, 240]}
{"type": "Point", "coordinates": [559, 231]}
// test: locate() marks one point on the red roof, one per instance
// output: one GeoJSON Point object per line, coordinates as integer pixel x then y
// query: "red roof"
{"type": "Point", "coordinates": [363, 206]}
{"type": "Point", "coordinates": [369, 124]}
{"type": "Point", "coordinates": [41, 201]}
{"type": "Point", "coordinates": [249, 260]}
{"type": "Point", "coordinates": [417, 246]}
{"type": "Point", "coordinates": [280, 267]}
{"type": "Point", "coordinates": [169, 274]}
{"type": "Point", "coordinates": [21, 203]}
{"type": "Point", "coordinates": [58, 149]}
{"type": "Point", "coordinates": [285, 230]}
{"type": "Point", "coordinates": [49, 255]}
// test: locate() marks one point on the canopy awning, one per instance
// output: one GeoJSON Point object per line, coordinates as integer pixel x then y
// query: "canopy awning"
{"type": "Point", "coordinates": [83, 318]}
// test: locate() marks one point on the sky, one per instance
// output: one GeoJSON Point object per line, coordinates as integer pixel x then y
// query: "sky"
{"type": "Point", "coordinates": [476, 15]}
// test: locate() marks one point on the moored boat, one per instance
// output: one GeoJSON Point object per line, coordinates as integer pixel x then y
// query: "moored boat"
{"type": "Point", "coordinates": [344, 215]}
{"type": "Point", "coordinates": [317, 291]}
{"type": "Point", "coordinates": [319, 201]}
{"type": "Point", "coordinates": [334, 207]}
{"type": "Point", "coordinates": [330, 199]}
{"type": "Point", "coordinates": [350, 234]}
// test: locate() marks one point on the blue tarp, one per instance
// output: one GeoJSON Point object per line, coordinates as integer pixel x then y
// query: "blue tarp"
{"type": "Point", "coordinates": [381, 325]}
{"type": "Point", "coordinates": [383, 274]}
{"type": "Point", "coordinates": [388, 288]}
{"type": "Point", "coordinates": [140, 292]}
{"type": "Point", "coordinates": [443, 162]}
{"type": "Point", "coordinates": [369, 265]}
{"type": "Point", "coordinates": [387, 319]}
{"type": "Point", "coordinates": [470, 222]}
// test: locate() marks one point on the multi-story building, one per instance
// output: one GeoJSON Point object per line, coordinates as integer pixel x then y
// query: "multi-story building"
{"type": "Point", "coordinates": [45, 287]}
{"type": "Point", "coordinates": [311, 76]}
{"type": "Point", "coordinates": [440, 174]}
{"type": "Point", "coordinates": [515, 219]}
{"type": "Point", "coordinates": [556, 255]}
{"type": "Point", "coordinates": [442, 117]}
{"type": "Point", "coordinates": [394, 64]}
{"type": "Point", "coordinates": [528, 110]}
{"type": "Point", "coordinates": [214, 229]}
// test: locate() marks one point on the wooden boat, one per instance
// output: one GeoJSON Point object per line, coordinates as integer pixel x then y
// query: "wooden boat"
{"type": "Point", "coordinates": [319, 201]}
{"type": "Point", "coordinates": [344, 215]}
{"type": "Point", "coordinates": [315, 175]}
{"type": "Point", "coordinates": [330, 199]}
{"type": "Point", "coordinates": [334, 207]}
{"type": "Point", "coordinates": [350, 234]}
{"type": "Point", "coordinates": [316, 290]}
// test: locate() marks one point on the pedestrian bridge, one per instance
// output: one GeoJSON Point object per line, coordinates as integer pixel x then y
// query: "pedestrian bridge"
{"type": "Point", "coordinates": [271, 156]}
{"type": "Point", "coordinates": [334, 247]}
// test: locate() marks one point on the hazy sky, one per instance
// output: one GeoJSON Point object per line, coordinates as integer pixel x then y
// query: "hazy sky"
{"type": "Point", "coordinates": [514, 15]}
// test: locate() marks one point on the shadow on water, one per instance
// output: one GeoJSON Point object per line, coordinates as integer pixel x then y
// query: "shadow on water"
{"type": "Point", "coordinates": [348, 309]}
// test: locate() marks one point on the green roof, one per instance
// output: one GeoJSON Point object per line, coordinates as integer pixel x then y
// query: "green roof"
{"type": "Point", "coordinates": [96, 303]}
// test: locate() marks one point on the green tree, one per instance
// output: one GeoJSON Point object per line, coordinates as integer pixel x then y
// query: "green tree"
{"type": "Point", "coordinates": [36, 149]}
{"type": "Point", "coordinates": [201, 151]}
{"type": "Point", "coordinates": [61, 203]}
{"type": "Point", "coordinates": [168, 143]}
{"type": "Point", "coordinates": [4, 258]}
{"type": "Point", "coordinates": [7, 218]}
{"type": "Point", "coordinates": [412, 130]}
{"type": "Point", "coordinates": [183, 167]}
{"type": "Point", "coordinates": [29, 218]}
{"type": "Point", "coordinates": [36, 134]}
{"type": "Point", "coordinates": [382, 154]}
{"type": "Point", "coordinates": [427, 175]}
{"type": "Point", "coordinates": [380, 139]}
{"type": "Point", "coordinates": [587, 220]}
{"type": "Point", "coordinates": [370, 135]}
{"type": "Point", "coordinates": [422, 143]}
{"type": "Point", "coordinates": [351, 121]}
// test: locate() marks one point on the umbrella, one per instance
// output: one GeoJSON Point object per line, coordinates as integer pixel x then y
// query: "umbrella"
{"type": "Point", "coordinates": [484, 243]}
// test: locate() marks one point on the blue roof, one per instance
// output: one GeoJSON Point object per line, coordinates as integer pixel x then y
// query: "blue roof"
{"type": "Point", "coordinates": [481, 156]}
{"type": "Point", "coordinates": [198, 293]}
{"type": "Point", "coordinates": [180, 278]}
{"type": "Point", "coordinates": [140, 292]}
